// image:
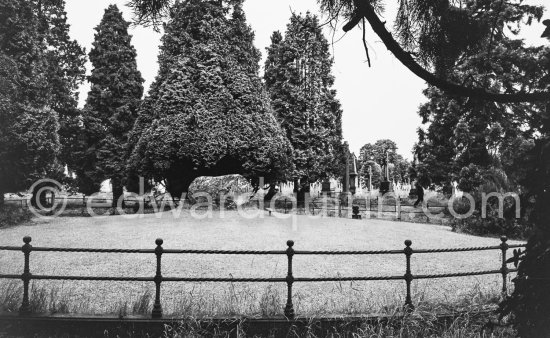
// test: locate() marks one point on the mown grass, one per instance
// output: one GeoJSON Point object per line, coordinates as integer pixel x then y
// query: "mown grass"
{"type": "Point", "coordinates": [237, 233]}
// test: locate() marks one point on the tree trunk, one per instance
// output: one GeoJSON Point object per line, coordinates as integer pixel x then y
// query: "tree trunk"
{"type": "Point", "coordinates": [296, 185]}
{"type": "Point", "coordinates": [118, 192]}
{"type": "Point", "coordinates": [270, 193]}
{"type": "Point", "coordinates": [303, 190]}
{"type": "Point", "coordinates": [179, 186]}
{"type": "Point", "coordinates": [40, 200]}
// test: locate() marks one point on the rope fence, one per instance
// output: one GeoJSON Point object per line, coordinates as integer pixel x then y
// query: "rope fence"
{"type": "Point", "coordinates": [289, 279]}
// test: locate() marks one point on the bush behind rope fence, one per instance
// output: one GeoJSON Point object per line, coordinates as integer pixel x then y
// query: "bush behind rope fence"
{"type": "Point", "coordinates": [289, 279]}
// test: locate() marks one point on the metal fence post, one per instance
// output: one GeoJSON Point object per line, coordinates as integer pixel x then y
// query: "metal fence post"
{"type": "Point", "coordinates": [26, 276]}
{"type": "Point", "coordinates": [157, 307]}
{"type": "Point", "coordinates": [289, 308]}
{"type": "Point", "coordinates": [504, 269]}
{"type": "Point", "coordinates": [408, 275]}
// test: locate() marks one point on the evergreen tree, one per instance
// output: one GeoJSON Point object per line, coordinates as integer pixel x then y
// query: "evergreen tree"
{"type": "Point", "coordinates": [461, 132]}
{"type": "Point", "coordinates": [111, 106]}
{"type": "Point", "coordinates": [66, 71]}
{"type": "Point", "coordinates": [29, 142]}
{"type": "Point", "coordinates": [299, 80]}
{"type": "Point", "coordinates": [469, 138]}
{"type": "Point", "coordinates": [207, 113]}
{"type": "Point", "coordinates": [529, 304]}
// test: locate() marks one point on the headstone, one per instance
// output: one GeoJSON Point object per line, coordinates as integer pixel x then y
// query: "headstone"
{"type": "Point", "coordinates": [325, 188]}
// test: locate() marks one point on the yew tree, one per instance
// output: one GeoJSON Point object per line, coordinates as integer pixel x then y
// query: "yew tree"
{"type": "Point", "coordinates": [207, 113]}
{"type": "Point", "coordinates": [461, 131]}
{"type": "Point", "coordinates": [111, 106]}
{"type": "Point", "coordinates": [29, 140]}
{"type": "Point", "coordinates": [65, 60]}
{"type": "Point", "coordinates": [298, 76]}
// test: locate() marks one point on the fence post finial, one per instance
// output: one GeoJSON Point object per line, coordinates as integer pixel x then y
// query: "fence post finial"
{"type": "Point", "coordinates": [408, 275]}
{"type": "Point", "coordinates": [26, 276]}
{"type": "Point", "coordinates": [289, 308]}
{"type": "Point", "coordinates": [157, 307]}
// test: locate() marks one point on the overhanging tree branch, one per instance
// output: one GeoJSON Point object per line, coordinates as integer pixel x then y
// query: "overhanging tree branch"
{"type": "Point", "coordinates": [365, 10]}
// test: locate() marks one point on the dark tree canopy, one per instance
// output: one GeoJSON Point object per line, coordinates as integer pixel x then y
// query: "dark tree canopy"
{"type": "Point", "coordinates": [111, 106]}
{"type": "Point", "coordinates": [65, 73]}
{"type": "Point", "coordinates": [29, 141]}
{"type": "Point", "coordinates": [443, 29]}
{"type": "Point", "coordinates": [464, 131]}
{"type": "Point", "coordinates": [207, 113]}
{"type": "Point", "coordinates": [299, 80]}
{"type": "Point", "coordinates": [152, 12]}
{"type": "Point", "coordinates": [377, 151]}
{"type": "Point", "coordinates": [529, 305]}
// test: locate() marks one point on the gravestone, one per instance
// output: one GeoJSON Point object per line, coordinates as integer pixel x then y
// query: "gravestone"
{"type": "Point", "coordinates": [325, 188]}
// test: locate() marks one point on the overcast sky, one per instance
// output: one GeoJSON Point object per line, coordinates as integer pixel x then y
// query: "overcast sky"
{"type": "Point", "coordinates": [378, 102]}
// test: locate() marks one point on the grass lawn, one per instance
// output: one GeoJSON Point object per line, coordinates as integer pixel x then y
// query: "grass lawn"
{"type": "Point", "coordinates": [234, 232]}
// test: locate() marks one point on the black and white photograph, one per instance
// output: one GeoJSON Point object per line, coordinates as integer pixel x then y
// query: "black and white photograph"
{"type": "Point", "coordinates": [262, 168]}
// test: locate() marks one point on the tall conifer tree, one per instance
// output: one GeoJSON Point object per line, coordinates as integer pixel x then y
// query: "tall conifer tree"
{"type": "Point", "coordinates": [29, 141]}
{"type": "Point", "coordinates": [111, 106]}
{"type": "Point", "coordinates": [207, 113]}
{"type": "Point", "coordinates": [299, 80]}
{"type": "Point", "coordinates": [66, 71]}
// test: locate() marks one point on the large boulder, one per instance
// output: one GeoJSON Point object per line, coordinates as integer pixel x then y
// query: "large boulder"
{"type": "Point", "coordinates": [235, 186]}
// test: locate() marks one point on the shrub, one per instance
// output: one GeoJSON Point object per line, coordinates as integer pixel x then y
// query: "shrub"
{"type": "Point", "coordinates": [11, 215]}
{"type": "Point", "coordinates": [478, 181]}
{"type": "Point", "coordinates": [469, 178]}
{"type": "Point", "coordinates": [491, 226]}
